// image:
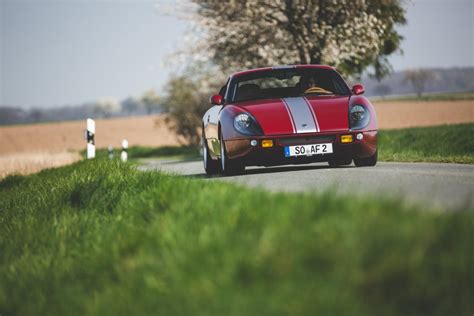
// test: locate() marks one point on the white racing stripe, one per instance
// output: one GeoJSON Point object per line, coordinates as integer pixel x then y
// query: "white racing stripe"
{"type": "Point", "coordinates": [284, 67]}
{"type": "Point", "coordinates": [302, 115]}
{"type": "Point", "coordinates": [314, 114]}
{"type": "Point", "coordinates": [289, 115]}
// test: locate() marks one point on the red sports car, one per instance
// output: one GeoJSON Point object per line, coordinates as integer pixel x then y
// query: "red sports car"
{"type": "Point", "coordinates": [288, 115]}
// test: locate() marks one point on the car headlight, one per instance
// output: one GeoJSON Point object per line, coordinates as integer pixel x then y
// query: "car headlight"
{"type": "Point", "coordinates": [359, 117]}
{"type": "Point", "coordinates": [246, 124]}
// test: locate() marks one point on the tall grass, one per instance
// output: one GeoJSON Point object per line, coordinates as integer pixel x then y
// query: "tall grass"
{"type": "Point", "coordinates": [30, 162]}
{"type": "Point", "coordinates": [448, 143]}
{"type": "Point", "coordinates": [100, 238]}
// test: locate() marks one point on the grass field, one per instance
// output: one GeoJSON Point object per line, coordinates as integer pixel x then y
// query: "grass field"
{"type": "Point", "coordinates": [100, 238]}
{"type": "Point", "coordinates": [30, 162]}
{"type": "Point", "coordinates": [397, 114]}
{"type": "Point", "coordinates": [449, 143]}
{"type": "Point", "coordinates": [454, 96]}
{"type": "Point", "coordinates": [147, 131]}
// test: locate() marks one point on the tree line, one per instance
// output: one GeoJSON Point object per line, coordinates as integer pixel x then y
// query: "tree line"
{"type": "Point", "coordinates": [148, 103]}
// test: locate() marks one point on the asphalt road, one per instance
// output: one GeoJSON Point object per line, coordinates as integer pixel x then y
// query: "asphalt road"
{"type": "Point", "coordinates": [438, 186]}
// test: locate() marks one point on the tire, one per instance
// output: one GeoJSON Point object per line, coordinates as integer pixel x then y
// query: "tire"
{"type": "Point", "coordinates": [367, 162]}
{"type": "Point", "coordinates": [340, 162]}
{"type": "Point", "coordinates": [229, 167]}
{"type": "Point", "coordinates": [210, 166]}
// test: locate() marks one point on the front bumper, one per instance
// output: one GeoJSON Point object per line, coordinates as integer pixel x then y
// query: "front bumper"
{"type": "Point", "coordinates": [241, 149]}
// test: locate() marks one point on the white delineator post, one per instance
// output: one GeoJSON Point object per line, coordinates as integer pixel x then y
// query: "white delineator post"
{"type": "Point", "coordinates": [89, 135]}
{"type": "Point", "coordinates": [111, 152]}
{"type": "Point", "coordinates": [124, 154]}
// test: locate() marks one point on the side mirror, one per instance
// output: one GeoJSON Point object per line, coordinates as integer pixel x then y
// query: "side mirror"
{"type": "Point", "coordinates": [217, 99]}
{"type": "Point", "coordinates": [358, 89]}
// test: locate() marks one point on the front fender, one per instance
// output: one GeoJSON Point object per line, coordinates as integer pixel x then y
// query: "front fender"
{"type": "Point", "coordinates": [373, 125]}
{"type": "Point", "coordinates": [226, 122]}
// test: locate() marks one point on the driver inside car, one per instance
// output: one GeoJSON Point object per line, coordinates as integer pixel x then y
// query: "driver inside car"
{"type": "Point", "coordinates": [309, 84]}
{"type": "Point", "coordinates": [305, 83]}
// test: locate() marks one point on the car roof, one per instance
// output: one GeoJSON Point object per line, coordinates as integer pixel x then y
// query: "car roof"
{"type": "Point", "coordinates": [246, 72]}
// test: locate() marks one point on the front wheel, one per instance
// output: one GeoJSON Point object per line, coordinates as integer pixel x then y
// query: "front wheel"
{"type": "Point", "coordinates": [366, 162]}
{"type": "Point", "coordinates": [210, 166]}
{"type": "Point", "coordinates": [229, 167]}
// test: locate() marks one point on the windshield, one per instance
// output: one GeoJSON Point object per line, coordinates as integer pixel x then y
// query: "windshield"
{"type": "Point", "coordinates": [288, 82]}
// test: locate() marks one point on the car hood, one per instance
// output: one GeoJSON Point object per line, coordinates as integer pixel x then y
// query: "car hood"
{"type": "Point", "coordinates": [300, 115]}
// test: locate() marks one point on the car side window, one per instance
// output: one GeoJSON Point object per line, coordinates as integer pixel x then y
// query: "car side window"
{"type": "Point", "coordinates": [223, 90]}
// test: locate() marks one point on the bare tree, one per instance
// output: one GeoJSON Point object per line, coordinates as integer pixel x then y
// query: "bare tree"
{"type": "Point", "coordinates": [151, 101]}
{"type": "Point", "coordinates": [418, 79]}
{"type": "Point", "coordinates": [130, 105]}
{"type": "Point", "coordinates": [36, 115]}
{"type": "Point", "coordinates": [106, 107]}
{"type": "Point", "coordinates": [382, 90]}
{"type": "Point", "coordinates": [350, 35]}
{"type": "Point", "coordinates": [187, 99]}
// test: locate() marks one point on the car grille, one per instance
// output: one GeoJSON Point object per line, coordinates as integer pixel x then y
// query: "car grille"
{"type": "Point", "coordinates": [307, 140]}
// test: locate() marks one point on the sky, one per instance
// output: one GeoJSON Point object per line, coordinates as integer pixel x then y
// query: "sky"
{"type": "Point", "coordinates": [66, 52]}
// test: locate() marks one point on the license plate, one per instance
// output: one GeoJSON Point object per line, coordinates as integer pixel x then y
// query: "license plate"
{"type": "Point", "coordinates": [308, 150]}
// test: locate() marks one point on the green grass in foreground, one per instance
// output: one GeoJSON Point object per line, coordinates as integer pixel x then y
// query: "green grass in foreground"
{"type": "Point", "coordinates": [448, 143]}
{"type": "Point", "coordinates": [100, 238]}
